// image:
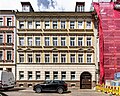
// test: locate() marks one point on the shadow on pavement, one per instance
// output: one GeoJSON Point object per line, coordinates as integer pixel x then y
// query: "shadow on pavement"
{"type": "Point", "coordinates": [12, 89]}
{"type": "Point", "coordinates": [3, 94]}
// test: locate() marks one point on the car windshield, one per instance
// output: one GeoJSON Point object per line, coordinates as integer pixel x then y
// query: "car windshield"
{"type": "Point", "coordinates": [47, 82]}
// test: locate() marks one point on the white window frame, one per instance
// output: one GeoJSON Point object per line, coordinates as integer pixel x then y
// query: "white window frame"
{"type": "Point", "coordinates": [21, 58]}
{"type": "Point", "coordinates": [79, 41]}
{"type": "Point", "coordinates": [88, 26]}
{"type": "Point", "coordinates": [1, 20]}
{"type": "Point", "coordinates": [55, 41]}
{"type": "Point", "coordinates": [48, 58]}
{"type": "Point", "coordinates": [89, 42]}
{"type": "Point", "coordinates": [7, 54]}
{"type": "Point", "coordinates": [63, 25]}
{"type": "Point", "coordinates": [72, 43]}
{"type": "Point", "coordinates": [63, 44]}
{"type": "Point", "coordinates": [38, 75]}
{"type": "Point", "coordinates": [30, 24]}
{"type": "Point", "coordinates": [72, 74]}
{"type": "Point", "coordinates": [29, 42]}
{"type": "Point", "coordinates": [72, 58]}
{"type": "Point", "coordinates": [2, 38]}
{"type": "Point", "coordinates": [79, 55]}
{"type": "Point", "coordinates": [55, 75]}
{"type": "Point", "coordinates": [55, 24]}
{"type": "Point", "coordinates": [47, 41]}
{"type": "Point", "coordinates": [30, 57]}
{"type": "Point", "coordinates": [91, 58]}
{"type": "Point", "coordinates": [47, 24]}
{"type": "Point", "coordinates": [37, 42]}
{"type": "Point", "coordinates": [21, 24]}
{"type": "Point", "coordinates": [47, 73]}
{"type": "Point", "coordinates": [10, 39]}
{"type": "Point", "coordinates": [39, 58]}
{"type": "Point", "coordinates": [37, 24]}
{"type": "Point", "coordinates": [79, 24]}
{"type": "Point", "coordinates": [72, 24]}
{"type": "Point", "coordinates": [2, 55]}
{"type": "Point", "coordinates": [21, 41]}
{"type": "Point", "coordinates": [10, 21]}
{"type": "Point", "coordinates": [55, 58]}
{"type": "Point", "coordinates": [65, 58]}
{"type": "Point", "coordinates": [30, 75]}
{"type": "Point", "coordinates": [21, 73]}
{"type": "Point", "coordinates": [63, 74]}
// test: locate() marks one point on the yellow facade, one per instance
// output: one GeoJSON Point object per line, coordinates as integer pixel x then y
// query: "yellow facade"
{"type": "Point", "coordinates": [71, 35]}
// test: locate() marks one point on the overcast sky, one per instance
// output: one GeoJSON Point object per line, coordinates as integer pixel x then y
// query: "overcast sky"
{"type": "Point", "coordinates": [44, 5]}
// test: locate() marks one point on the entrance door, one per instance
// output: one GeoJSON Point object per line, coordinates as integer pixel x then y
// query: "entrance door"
{"type": "Point", "coordinates": [85, 80]}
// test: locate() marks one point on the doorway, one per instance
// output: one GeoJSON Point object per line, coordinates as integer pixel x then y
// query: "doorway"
{"type": "Point", "coordinates": [85, 80]}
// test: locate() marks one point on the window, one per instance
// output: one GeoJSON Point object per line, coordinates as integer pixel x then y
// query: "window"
{"type": "Point", "coordinates": [80, 8]}
{"type": "Point", "coordinates": [73, 75]}
{"type": "Point", "coordinates": [88, 24]}
{"type": "Point", "coordinates": [1, 21]}
{"type": "Point", "coordinates": [72, 41]}
{"type": "Point", "coordinates": [30, 25]}
{"type": "Point", "coordinates": [89, 41]}
{"type": "Point", "coordinates": [80, 58]}
{"type": "Point", "coordinates": [1, 39]}
{"type": "Point", "coordinates": [72, 24]}
{"type": "Point", "coordinates": [89, 58]}
{"type": "Point", "coordinates": [47, 58]}
{"type": "Point", "coordinates": [30, 58]}
{"type": "Point", "coordinates": [29, 41]}
{"type": "Point", "coordinates": [9, 55]}
{"type": "Point", "coordinates": [9, 39]}
{"type": "Point", "coordinates": [37, 58]}
{"type": "Point", "coordinates": [63, 58]}
{"type": "Point", "coordinates": [37, 41]}
{"type": "Point", "coordinates": [62, 24]}
{"type": "Point", "coordinates": [63, 41]}
{"type": "Point", "coordinates": [55, 75]}
{"type": "Point", "coordinates": [9, 21]}
{"type": "Point", "coordinates": [72, 58]}
{"type": "Point", "coordinates": [63, 75]}
{"type": "Point", "coordinates": [80, 24]}
{"type": "Point", "coordinates": [80, 41]}
{"type": "Point", "coordinates": [37, 24]}
{"type": "Point", "coordinates": [54, 24]}
{"type": "Point", "coordinates": [47, 25]}
{"type": "Point", "coordinates": [21, 75]}
{"type": "Point", "coordinates": [21, 24]}
{"type": "Point", "coordinates": [1, 55]}
{"type": "Point", "coordinates": [47, 41]}
{"type": "Point", "coordinates": [55, 41]}
{"type": "Point", "coordinates": [55, 58]}
{"type": "Point", "coordinates": [21, 58]}
{"type": "Point", "coordinates": [21, 41]}
{"type": "Point", "coordinates": [37, 75]}
{"type": "Point", "coordinates": [29, 75]}
{"type": "Point", "coordinates": [47, 75]}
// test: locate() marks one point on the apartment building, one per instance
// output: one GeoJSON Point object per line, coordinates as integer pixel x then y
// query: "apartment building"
{"type": "Point", "coordinates": [55, 45]}
{"type": "Point", "coordinates": [7, 40]}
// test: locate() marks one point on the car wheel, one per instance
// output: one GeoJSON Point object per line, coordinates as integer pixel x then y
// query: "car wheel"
{"type": "Point", "coordinates": [60, 90]}
{"type": "Point", "coordinates": [38, 90]}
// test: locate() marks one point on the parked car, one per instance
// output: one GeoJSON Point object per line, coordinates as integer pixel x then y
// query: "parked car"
{"type": "Point", "coordinates": [51, 85]}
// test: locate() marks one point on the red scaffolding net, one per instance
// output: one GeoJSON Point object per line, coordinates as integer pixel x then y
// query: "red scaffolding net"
{"type": "Point", "coordinates": [109, 39]}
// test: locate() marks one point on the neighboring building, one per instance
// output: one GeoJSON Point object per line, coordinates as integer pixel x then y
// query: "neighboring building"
{"type": "Point", "coordinates": [7, 40]}
{"type": "Point", "coordinates": [56, 45]}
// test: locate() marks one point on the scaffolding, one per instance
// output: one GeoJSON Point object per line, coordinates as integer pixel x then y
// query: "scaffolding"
{"type": "Point", "coordinates": [109, 38]}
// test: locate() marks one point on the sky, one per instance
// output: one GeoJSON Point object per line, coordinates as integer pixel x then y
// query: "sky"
{"type": "Point", "coordinates": [44, 5]}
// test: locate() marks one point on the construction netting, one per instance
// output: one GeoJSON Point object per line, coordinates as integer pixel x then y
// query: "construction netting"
{"type": "Point", "coordinates": [109, 39]}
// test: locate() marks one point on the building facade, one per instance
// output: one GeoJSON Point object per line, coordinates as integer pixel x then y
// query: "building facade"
{"type": "Point", "coordinates": [56, 45]}
{"type": "Point", "coordinates": [7, 40]}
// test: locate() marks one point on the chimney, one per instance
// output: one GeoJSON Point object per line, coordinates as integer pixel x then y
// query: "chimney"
{"type": "Point", "coordinates": [27, 7]}
{"type": "Point", "coordinates": [80, 7]}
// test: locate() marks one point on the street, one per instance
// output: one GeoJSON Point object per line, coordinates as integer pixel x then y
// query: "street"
{"type": "Point", "coordinates": [70, 92]}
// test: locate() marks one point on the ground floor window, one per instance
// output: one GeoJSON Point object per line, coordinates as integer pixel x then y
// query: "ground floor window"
{"type": "Point", "coordinates": [55, 75]}
{"type": "Point", "coordinates": [63, 75]}
{"type": "Point", "coordinates": [21, 75]}
{"type": "Point", "coordinates": [47, 75]}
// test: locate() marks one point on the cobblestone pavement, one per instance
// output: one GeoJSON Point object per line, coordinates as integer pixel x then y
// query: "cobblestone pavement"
{"type": "Point", "coordinates": [71, 92]}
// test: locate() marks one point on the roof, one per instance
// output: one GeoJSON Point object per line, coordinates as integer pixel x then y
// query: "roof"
{"type": "Point", "coordinates": [7, 12]}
